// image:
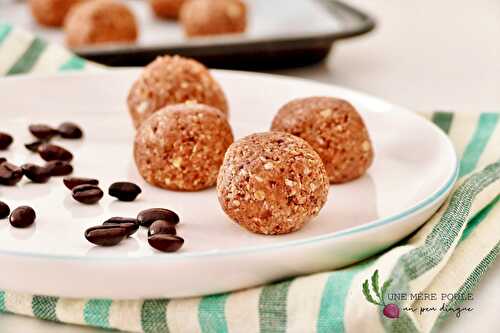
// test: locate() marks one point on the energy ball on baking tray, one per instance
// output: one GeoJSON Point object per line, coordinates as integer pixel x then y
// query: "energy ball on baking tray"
{"type": "Point", "coordinates": [213, 17]}
{"type": "Point", "coordinates": [334, 129]}
{"type": "Point", "coordinates": [168, 9]}
{"type": "Point", "coordinates": [181, 147]}
{"type": "Point", "coordinates": [100, 21]}
{"type": "Point", "coordinates": [172, 80]}
{"type": "Point", "coordinates": [51, 12]}
{"type": "Point", "coordinates": [272, 183]}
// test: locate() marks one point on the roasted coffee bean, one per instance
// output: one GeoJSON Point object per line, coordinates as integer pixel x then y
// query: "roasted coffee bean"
{"type": "Point", "coordinates": [22, 217]}
{"type": "Point", "coordinates": [161, 227]}
{"type": "Point", "coordinates": [166, 243]}
{"type": "Point", "coordinates": [5, 140]}
{"type": "Point", "coordinates": [58, 168]}
{"type": "Point", "coordinates": [35, 173]}
{"type": "Point", "coordinates": [106, 235]}
{"type": "Point", "coordinates": [70, 131]}
{"type": "Point", "coordinates": [87, 194]}
{"type": "Point", "coordinates": [4, 210]}
{"type": "Point", "coordinates": [128, 223]}
{"type": "Point", "coordinates": [10, 174]}
{"type": "Point", "coordinates": [41, 131]}
{"type": "Point", "coordinates": [124, 191]}
{"type": "Point", "coordinates": [148, 216]}
{"type": "Point", "coordinates": [33, 146]}
{"type": "Point", "coordinates": [50, 152]}
{"type": "Point", "coordinates": [71, 182]}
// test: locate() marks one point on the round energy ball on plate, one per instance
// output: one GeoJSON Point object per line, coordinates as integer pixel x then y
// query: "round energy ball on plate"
{"type": "Point", "coordinates": [213, 17]}
{"type": "Point", "coordinates": [51, 12]}
{"type": "Point", "coordinates": [272, 183]}
{"type": "Point", "coordinates": [334, 129]}
{"type": "Point", "coordinates": [100, 21]}
{"type": "Point", "coordinates": [172, 80]}
{"type": "Point", "coordinates": [181, 147]}
{"type": "Point", "coordinates": [167, 8]}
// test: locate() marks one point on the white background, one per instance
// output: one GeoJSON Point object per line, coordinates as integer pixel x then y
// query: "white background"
{"type": "Point", "coordinates": [426, 55]}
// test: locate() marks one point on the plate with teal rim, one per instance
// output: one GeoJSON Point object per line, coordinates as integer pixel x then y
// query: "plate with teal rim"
{"type": "Point", "coordinates": [414, 169]}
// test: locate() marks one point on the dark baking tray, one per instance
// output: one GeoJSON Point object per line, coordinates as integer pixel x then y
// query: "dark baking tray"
{"type": "Point", "coordinates": [282, 33]}
{"type": "Point", "coordinates": [241, 53]}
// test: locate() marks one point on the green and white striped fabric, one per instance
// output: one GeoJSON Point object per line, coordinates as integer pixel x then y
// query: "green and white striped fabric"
{"type": "Point", "coordinates": [449, 254]}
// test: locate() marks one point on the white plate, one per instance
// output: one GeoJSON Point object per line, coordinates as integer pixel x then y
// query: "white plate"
{"type": "Point", "coordinates": [414, 168]}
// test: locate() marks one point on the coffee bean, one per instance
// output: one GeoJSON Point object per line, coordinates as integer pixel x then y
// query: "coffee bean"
{"type": "Point", "coordinates": [35, 173]}
{"type": "Point", "coordinates": [22, 217]}
{"type": "Point", "coordinates": [72, 182]}
{"type": "Point", "coordinates": [58, 168]}
{"type": "Point", "coordinates": [70, 131]}
{"type": "Point", "coordinates": [33, 146]}
{"type": "Point", "coordinates": [128, 223]}
{"type": "Point", "coordinates": [87, 194]}
{"type": "Point", "coordinates": [124, 191]}
{"type": "Point", "coordinates": [106, 235]}
{"type": "Point", "coordinates": [50, 152]}
{"type": "Point", "coordinates": [148, 216]}
{"type": "Point", "coordinates": [166, 243]}
{"type": "Point", "coordinates": [41, 131]}
{"type": "Point", "coordinates": [10, 174]}
{"type": "Point", "coordinates": [5, 140]}
{"type": "Point", "coordinates": [161, 227]}
{"type": "Point", "coordinates": [4, 210]}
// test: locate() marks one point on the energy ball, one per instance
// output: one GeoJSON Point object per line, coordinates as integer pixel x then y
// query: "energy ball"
{"type": "Point", "coordinates": [181, 147]}
{"type": "Point", "coordinates": [51, 12]}
{"type": "Point", "coordinates": [272, 183]}
{"type": "Point", "coordinates": [334, 129]}
{"type": "Point", "coordinates": [100, 21]}
{"type": "Point", "coordinates": [213, 17]}
{"type": "Point", "coordinates": [167, 8]}
{"type": "Point", "coordinates": [172, 80]}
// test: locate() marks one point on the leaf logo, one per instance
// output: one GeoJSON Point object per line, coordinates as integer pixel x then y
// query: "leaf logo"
{"type": "Point", "coordinates": [391, 310]}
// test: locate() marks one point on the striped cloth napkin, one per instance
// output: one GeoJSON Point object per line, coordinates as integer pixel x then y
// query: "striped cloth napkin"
{"type": "Point", "coordinates": [449, 254]}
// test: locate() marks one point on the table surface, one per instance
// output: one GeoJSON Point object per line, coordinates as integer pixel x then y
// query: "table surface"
{"type": "Point", "coordinates": [425, 55]}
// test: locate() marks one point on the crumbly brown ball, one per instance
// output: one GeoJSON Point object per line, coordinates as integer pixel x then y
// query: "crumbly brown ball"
{"type": "Point", "coordinates": [100, 21]}
{"type": "Point", "coordinates": [167, 8]}
{"type": "Point", "coordinates": [172, 80]}
{"type": "Point", "coordinates": [334, 129]}
{"type": "Point", "coordinates": [51, 12]}
{"type": "Point", "coordinates": [213, 17]}
{"type": "Point", "coordinates": [272, 183]}
{"type": "Point", "coordinates": [181, 147]}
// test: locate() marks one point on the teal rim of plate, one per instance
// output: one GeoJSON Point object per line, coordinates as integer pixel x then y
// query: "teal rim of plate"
{"type": "Point", "coordinates": [253, 249]}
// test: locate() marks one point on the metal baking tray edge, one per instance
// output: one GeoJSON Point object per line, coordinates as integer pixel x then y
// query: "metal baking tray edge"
{"type": "Point", "coordinates": [236, 53]}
